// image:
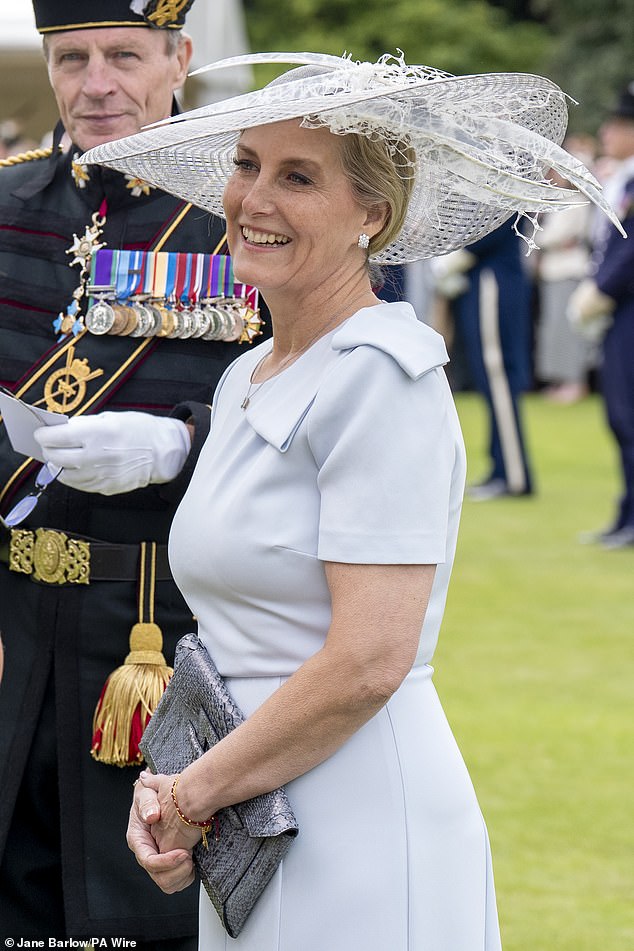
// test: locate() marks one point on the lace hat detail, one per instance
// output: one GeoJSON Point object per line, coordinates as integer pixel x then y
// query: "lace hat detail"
{"type": "Point", "coordinates": [483, 144]}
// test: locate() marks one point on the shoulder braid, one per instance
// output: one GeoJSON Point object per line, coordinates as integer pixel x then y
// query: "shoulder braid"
{"type": "Point", "coordinates": [26, 156]}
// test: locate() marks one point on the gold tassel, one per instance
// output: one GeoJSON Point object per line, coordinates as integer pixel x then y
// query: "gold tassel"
{"type": "Point", "coordinates": [132, 691]}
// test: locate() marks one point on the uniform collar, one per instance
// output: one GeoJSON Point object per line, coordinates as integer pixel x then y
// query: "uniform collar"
{"type": "Point", "coordinates": [392, 328]}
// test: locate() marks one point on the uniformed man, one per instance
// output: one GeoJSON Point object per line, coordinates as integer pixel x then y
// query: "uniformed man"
{"type": "Point", "coordinates": [492, 309]}
{"type": "Point", "coordinates": [607, 299]}
{"type": "Point", "coordinates": [97, 322]}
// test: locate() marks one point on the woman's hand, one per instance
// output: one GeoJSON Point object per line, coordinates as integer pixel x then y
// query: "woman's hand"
{"type": "Point", "coordinates": [171, 868]}
{"type": "Point", "coordinates": [168, 830]}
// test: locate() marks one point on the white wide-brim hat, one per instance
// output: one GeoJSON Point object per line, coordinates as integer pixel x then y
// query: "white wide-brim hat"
{"type": "Point", "coordinates": [483, 143]}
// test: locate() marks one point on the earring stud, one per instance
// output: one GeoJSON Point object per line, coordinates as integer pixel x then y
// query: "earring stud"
{"type": "Point", "coordinates": [364, 240]}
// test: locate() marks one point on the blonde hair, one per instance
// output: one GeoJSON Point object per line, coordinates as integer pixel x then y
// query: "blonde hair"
{"type": "Point", "coordinates": [381, 172]}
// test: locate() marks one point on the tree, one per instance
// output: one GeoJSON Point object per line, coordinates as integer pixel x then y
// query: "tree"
{"type": "Point", "coordinates": [591, 53]}
{"type": "Point", "coordinates": [464, 36]}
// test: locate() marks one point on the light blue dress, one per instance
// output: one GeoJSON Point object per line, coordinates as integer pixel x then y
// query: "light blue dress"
{"type": "Point", "coordinates": [351, 454]}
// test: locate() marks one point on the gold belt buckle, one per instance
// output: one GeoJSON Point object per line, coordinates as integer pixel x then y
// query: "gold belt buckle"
{"type": "Point", "coordinates": [50, 556]}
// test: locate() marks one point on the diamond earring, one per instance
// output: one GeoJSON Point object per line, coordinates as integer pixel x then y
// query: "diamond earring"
{"type": "Point", "coordinates": [364, 240]}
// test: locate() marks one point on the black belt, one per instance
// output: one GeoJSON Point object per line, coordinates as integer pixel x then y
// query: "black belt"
{"type": "Point", "coordinates": [53, 557]}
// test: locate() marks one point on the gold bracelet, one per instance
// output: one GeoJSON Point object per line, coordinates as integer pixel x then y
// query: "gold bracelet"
{"type": "Point", "coordinates": [204, 826]}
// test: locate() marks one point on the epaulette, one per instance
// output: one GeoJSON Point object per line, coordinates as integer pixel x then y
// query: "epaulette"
{"type": "Point", "coordinates": [26, 156]}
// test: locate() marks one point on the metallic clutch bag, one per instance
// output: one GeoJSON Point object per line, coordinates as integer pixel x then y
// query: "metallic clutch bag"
{"type": "Point", "coordinates": [252, 837]}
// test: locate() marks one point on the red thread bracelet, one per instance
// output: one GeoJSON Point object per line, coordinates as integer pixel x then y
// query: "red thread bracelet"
{"type": "Point", "coordinates": [204, 826]}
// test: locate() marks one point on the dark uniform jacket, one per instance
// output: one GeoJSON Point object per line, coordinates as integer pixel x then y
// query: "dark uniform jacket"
{"type": "Point", "coordinates": [615, 276]}
{"type": "Point", "coordinates": [493, 318]}
{"type": "Point", "coordinates": [61, 642]}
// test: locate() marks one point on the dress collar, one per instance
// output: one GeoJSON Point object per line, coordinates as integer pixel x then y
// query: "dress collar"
{"type": "Point", "coordinates": [392, 328]}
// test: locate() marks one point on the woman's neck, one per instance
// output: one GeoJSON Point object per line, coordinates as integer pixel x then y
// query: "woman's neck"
{"type": "Point", "coordinates": [299, 322]}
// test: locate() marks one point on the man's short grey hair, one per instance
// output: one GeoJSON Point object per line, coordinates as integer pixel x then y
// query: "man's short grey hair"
{"type": "Point", "coordinates": [174, 40]}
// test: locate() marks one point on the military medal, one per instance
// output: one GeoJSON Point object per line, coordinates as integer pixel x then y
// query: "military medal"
{"type": "Point", "coordinates": [199, 324]}
{"type": "Point", "coordinates": [190, 325]}
{"type": "Point", "coordinates": [213, 316]}
{"type": "Point", "coordinates": [99, 318]}
{"type": "Point", "coordinates": [172, 296]}
{"type": "Point", "coordinates": [176, 295]}
{"type": "Point", "coordinates": [252, 323]}
{"type": "Point", "coordinates": [144, 320]}
{"type": "Point", "coordinates": [82, 248]}
{"type": "Point", "coordinates": [235, 316]}
{"type": "Point", "coordinates": [138, 295]}
{"type": "Point", "coordinates": [125, 279]}
{"type": "Point", "coordinates": [178, 316]}
{"type": "Point", "coordinates": [201, 321]}
{"type": "Point", "coordinates": [124, 320]}
{"type": "Point", "coordinates": [157, 320]}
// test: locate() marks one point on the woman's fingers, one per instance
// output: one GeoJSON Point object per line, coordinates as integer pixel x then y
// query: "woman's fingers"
{"type": "Point", "coordinates": [171, 871]}
{"type": "Point", "coordinates": [146, 800]}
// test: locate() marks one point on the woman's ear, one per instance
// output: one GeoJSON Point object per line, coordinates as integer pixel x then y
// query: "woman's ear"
{"type": "Point", "coordinates": [377, 217]}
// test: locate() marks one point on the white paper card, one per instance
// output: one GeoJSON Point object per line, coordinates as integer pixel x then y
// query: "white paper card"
{"type": "Point", "coordinates": [22, 419]}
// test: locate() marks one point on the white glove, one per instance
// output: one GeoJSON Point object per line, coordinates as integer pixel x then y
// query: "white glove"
{"type": "Point", "coordinates": [590, 310]}
{"type": "Point", "coordinates": [450, 272]}
{"type": "Point", "coordinates": [116, 452]}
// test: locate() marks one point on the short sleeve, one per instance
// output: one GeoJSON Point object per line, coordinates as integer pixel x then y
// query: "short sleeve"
{"type": "Point", "coordinates": [387, 449]}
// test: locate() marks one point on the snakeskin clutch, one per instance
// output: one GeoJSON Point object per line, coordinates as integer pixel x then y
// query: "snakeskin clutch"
{"type": "Point", "coordinates": [252, 837]}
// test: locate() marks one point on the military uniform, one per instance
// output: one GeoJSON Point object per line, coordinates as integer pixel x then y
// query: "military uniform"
{"type": "Point", "coordinates": [63, 815]}
{"type": "Point", "coordinates": [494, 318]}
{"type": "Point", "coordinates": [614, 276]}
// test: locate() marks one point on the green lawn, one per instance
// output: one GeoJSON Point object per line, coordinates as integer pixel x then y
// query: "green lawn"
{"type": "Point", "coordinates": [535, 668]}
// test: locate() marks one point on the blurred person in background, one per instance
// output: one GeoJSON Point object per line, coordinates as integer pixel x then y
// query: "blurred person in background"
{"type": "Point", "coordinates": [606, 301]}
{"type": "Point", "coordinates": [563, 356]}
{"type": "Point", "coordinates": [489, 290]}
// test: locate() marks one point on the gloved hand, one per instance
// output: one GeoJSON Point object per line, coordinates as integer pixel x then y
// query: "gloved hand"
{"type": "Point", "coordinates": [450, 272]}
{"type": "Point", "coordinates": [590, 310]}
{"type": "Point", "coordinates": [116, 452]}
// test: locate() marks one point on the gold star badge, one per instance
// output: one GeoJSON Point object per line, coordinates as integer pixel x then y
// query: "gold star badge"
{"type": "Point", "coordinates": [252, 325]}
{"type": "Point", "coordinates": [79, 172]}
{"type": "Point", "coordinates": [137, 186]}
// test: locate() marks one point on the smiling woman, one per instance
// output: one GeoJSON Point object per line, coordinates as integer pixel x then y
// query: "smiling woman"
{"type": "Point", "coordinates": [315, 542]}
{"type": "Point", "coordinates": [293, 225]}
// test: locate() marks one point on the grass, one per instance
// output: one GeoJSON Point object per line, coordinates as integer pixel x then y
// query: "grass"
{"type": "Point", "coordinates": [535, 669]}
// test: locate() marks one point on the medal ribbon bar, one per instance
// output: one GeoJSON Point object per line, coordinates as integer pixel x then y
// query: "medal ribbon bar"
{"type": "Point", "coordinates": [169, 294]}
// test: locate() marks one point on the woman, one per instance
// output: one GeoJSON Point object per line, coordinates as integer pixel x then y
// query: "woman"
{"type": "Point", "coordinates": [316, 539]}
{"type": "Point", "coordinates": [563, 357]}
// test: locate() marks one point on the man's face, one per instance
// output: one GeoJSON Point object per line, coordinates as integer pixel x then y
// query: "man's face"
{"type": "Point", "coordinates": [617, 138]}
{"type": "Point", "coordinates": [111, 82]}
